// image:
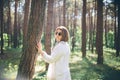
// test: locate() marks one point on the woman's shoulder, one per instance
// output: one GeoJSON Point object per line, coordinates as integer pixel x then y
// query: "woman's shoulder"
{"type": "Point", "coordinates": [62, 43]}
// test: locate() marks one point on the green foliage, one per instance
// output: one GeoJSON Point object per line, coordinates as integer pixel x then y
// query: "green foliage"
{"type": "Point", "coordinates": [78, 37]}
{"type": "Point", "coordinates": [110, 38]}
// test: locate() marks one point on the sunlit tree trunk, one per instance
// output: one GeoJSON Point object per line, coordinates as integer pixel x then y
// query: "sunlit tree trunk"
{"type": "Point", "coordinates": [94, 25]}
{"type": "Point", "coordinates": [25, 24]}
{"type": "Point", "coordinates": [90, 26]}
{"type": "Point", "coordinates": [48, 28]}
{"type": "Point", "coordinates": [74, 26]}
{"type": "Point", "coordinates": [64, 12]}
{"type": "Point", "coordinates": [99, 32]}
{"type": "Point", "coordinates": [60, 13]}
{"type": "Point", "coordinates": [105, 27]}
{"type": "Point", "coordinates": [28, 59]}
{"type": "Point", "coordinates": [84, 29]}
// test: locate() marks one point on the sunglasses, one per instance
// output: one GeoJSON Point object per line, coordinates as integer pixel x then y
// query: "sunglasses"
{"type": "Point", "coordinates": [58, 33]}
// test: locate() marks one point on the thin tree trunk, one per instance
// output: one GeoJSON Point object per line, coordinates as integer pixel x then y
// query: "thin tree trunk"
{"type": "Point", "coordinates": [94, 26]}
{"type": "Point", "coordinates": [1, 25]}
{"type": "Point", "coordinates": [64, 12]}
{"type": "Point", "coordinates": [84, 29]}
{"type": "Point", "coordinates": [15, 41]}
{"type": "Point", "coordinates": [106, 27]}
{"type": "Point", "coordinates": [74, 27]}
{"type": "Point", "coordinates": [115, 27]}
{"type": "Point", "coordinates": [9, 22]}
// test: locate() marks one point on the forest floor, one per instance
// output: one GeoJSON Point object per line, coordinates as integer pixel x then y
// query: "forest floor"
{"type": "Point", "coordinates": [81, 68]}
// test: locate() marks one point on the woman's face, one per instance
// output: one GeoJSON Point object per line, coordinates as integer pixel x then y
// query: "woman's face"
{"type": "Point", "coordinates": [58, 35]}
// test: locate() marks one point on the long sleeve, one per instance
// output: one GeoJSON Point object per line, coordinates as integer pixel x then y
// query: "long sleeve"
{"type": "Point", "coordinates": [56, 54]}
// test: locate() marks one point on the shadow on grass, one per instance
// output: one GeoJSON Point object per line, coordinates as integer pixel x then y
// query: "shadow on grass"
{"type": "Point", "coordinates": [102, 72]}
{"type": "Point", "coordinates": [86, 70]}
{"type": "Point", "coordinates": [40, 76]}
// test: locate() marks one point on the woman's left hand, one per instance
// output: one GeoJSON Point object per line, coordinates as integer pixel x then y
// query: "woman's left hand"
{"type": "Point", "coordinates": [39, 47]}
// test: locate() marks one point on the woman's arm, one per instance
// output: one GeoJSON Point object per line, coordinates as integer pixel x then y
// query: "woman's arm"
{"type": "Point", "coordinates": [55, 55]}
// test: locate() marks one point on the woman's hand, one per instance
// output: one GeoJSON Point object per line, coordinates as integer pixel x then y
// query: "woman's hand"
{"type": "Point", "coordinates": [39, 47]}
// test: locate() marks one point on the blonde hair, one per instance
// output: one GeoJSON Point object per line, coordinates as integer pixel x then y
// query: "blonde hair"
{"type": "Point", "coordinates": [65, 33]}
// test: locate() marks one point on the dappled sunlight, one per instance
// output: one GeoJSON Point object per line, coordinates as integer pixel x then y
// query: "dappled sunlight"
{"type": "Point", "coordinates": [80, 68]}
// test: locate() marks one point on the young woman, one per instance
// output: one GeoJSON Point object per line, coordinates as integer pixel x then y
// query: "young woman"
{"type": "Point", "coordinates": [59, 59]}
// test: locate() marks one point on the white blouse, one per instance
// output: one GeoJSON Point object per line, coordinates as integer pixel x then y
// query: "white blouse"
{"type": "Point", "coordinates": [58, 62]}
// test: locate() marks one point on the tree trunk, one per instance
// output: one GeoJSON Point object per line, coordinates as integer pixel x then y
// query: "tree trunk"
{"type": "Point", "coordinates": [115, 27]}
{"type": "Point", "coordinates": [99, 32]}
{"type": "Point", "coordinates": [25, 24]}
{"type": "Point", "coordinates": [1, 25]}
{"type": "Point", "coordinates": [118, 31]}
{"type": "Point", "coordinates": [27, 64]}
{"type": "Point", "coordinates": [74, 27]}
{"type": "Point", "coordinates": [15, 41]}
{"type": "Point", "coordinates": [60, 12]}
{"type": "Point", "coordinates": [64, 12]}
{"type": "Point", "coordinates": [94, 26]}
{"type": "Point", "coordinates": [9, 22]}
{"type": "Point", "coordinates": [106, 30]}
{"type": "Point", "coordinates": [48, 28]}
{"type": "Point", "coordinates": [84, 29]}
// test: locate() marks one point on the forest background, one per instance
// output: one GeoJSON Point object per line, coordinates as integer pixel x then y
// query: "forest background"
{"type": "Point", "coordinates": [94, 27]}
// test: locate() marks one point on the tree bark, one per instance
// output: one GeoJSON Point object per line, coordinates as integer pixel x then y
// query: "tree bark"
{"type": "Point", "coordinates": [48, 28]}
{"type": "Point", "coordinates": [1, 25]}
{"type": "Point", "coordinates": [118, 31]}
{"type": "Point", "coordinates": [26, 20]}
{"type": "Point", "coordinates": [64, 12]}
{"type": "Point", "coordinates": [9, 22]}
{"type": "Point", "coordinates": [99, 32]}
{"type": "Point", "coordinates": [15, 41]}
{"type": "Point", "coordinates": [74, 27]}
{"type": "Point", "coordinates": [84, 29]}
{"type": "Point", "coordinates": [27, 64]}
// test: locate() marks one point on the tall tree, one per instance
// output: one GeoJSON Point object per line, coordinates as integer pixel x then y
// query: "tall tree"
{"type": "Point", "coordinates": [9, 22]}
{"type": "Point", "coordinates": [99, 32]}
{"type": "Point", "coordinates": [48, 28]}
{"type": "Point", "coordinates": [1, 24]}
{"type": "Point", "coordinates": [74, 26]}
{"type": "Point", "coordinates": [94, 24]}
{"type": "Point", "coordinates": [117, 2]}
{"type": "Point", "coordinates": [26, 19]}
{"type": "Point", "coordinates": [105, 26]}
{"type": "Point", "coordinates": [84, 29]}
{"type": "Point", "coordinates": [15, 41]}
{"type": "Point", "coordinates": [64, 12]}
{"type": "Point", "coordinates": [28, 59]}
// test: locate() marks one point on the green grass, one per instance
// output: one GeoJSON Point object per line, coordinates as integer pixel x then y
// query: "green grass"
{"type": "Point", "coordinates": [9, 63]}
{"type": "Point", "coordinates": [81, 69]}
{"type": "Point", "coordinates": [87, 68]}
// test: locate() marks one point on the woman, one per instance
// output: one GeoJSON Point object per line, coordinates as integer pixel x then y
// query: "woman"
{"type": "Point", "coordinates": [59, 59]}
